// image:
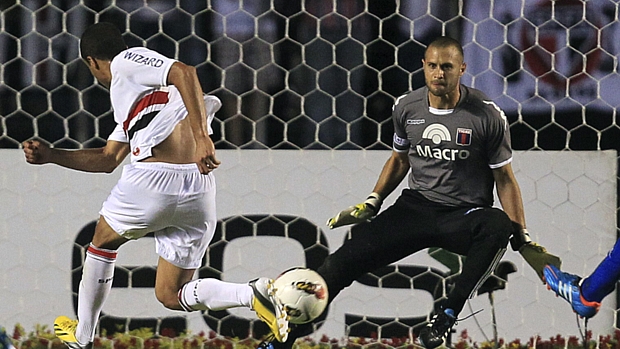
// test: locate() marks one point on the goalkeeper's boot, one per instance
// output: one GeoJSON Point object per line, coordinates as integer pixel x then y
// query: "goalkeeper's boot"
{"type": "Point", "coordinates": [64, 328]}
{"type": "Point", "coordinates": [269, 309]}
{"type": "Point", "coordinates": [567, 286]}
{"type": "Point", "coordinates": [436, 331]}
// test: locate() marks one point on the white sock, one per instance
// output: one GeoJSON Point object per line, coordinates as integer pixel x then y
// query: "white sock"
{"type": "Point", "coordinates": [214, 294]}
{"type": "Point", "coordinates": [95, 286]}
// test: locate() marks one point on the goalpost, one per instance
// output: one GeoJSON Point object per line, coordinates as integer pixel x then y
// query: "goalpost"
{"type": "Point", "coordinates": [307, 89]}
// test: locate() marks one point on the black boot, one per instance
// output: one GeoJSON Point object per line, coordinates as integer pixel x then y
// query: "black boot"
{"type": "Point", "coordinates": [438, 328]}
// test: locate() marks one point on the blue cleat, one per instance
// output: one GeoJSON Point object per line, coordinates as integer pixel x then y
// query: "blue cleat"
{"type": "Point", "coordinates": [567, 286]}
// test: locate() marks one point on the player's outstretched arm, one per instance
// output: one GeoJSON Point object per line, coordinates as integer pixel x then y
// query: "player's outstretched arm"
{"type": "Point", "coordinates": [392, 174]}
{"type": "Point", "coordinates": [104, 159]}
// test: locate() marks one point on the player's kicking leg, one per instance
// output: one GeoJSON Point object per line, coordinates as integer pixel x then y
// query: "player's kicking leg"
{"type": "Point", "coordinates": [269, 309]}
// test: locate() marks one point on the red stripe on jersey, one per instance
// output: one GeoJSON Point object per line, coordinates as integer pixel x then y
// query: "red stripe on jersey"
{"type": "Point", "coordinates": [157, 97]}
{"type": "Point", "coordinates": [107, 254]}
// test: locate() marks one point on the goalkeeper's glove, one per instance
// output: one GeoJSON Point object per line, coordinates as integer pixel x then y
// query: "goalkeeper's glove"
{"type": "Point", "coordinates": [358, 213]}
{"type": "Point", "coordinates": [519, 238]}
{"type": "Point", "coordinates": [534, 254]}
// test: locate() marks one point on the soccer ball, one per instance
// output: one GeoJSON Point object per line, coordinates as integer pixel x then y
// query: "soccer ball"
{"type": "Point", "coordinates": [303, 292]}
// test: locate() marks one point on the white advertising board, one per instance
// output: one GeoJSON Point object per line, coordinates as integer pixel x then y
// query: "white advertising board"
{"type": "Point", "coordinates": [570, 203]}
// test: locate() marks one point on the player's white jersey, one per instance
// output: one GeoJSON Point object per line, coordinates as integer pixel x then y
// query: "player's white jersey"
{"type": "Point", "coordinates": [146, 110]}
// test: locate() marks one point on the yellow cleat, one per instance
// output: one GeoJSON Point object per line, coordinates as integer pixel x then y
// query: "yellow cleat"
{"type": "Point", "coordinates": [64, 328]}
{"type": "Point", "coordinates": [269, 309]}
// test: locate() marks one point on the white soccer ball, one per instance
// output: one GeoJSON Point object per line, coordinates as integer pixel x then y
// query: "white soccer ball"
{"type": "Point", "coordinates": [303, 292]}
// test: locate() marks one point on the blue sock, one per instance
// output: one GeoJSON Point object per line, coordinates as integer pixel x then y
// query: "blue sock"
{"type": "Point", "coordinates": [603, 279]}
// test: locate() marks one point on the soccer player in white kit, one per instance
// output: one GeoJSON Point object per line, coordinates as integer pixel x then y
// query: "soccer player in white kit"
{"type": "Point", "coordinates": [163, 120]}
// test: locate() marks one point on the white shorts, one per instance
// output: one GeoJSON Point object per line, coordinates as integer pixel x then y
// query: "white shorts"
{"type": "Point", "coordinates": [175, 202]}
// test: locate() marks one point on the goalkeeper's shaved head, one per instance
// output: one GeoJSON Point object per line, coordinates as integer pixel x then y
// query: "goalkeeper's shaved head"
{"type": "Point", "coordinates": [102, 41]}
{"type": "Point", "coordinates": [446, 42]}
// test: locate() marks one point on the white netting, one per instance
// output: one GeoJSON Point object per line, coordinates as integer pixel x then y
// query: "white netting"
{"type": "Point", "coordinates": [322, 74]}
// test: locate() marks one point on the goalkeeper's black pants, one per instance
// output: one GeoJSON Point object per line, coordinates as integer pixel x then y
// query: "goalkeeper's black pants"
{"type": "Point", "coordinates": [410, 225]}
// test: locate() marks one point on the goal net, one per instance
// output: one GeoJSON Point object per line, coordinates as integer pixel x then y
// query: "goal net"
{"type": "Point", "coordinates": [322, 75]}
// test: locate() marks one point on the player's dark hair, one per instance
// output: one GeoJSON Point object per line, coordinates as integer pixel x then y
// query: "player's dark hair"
{"type": "Point", "coordinates": [102, 41]}
{"type": "Point", "coordinates": [445, 42]}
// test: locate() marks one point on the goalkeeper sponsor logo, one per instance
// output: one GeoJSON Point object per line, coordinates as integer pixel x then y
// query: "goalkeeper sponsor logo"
{"type": "Point", "coordinates": [442, 154]}
{"type": "Point", "coordinates": [438, 133]}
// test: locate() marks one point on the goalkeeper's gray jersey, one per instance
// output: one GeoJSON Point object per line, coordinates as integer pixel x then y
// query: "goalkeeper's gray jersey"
{"type": "Point", "coordinates": [452, 155]}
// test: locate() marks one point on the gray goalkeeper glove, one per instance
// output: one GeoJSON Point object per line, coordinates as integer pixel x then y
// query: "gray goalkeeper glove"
{"type": "Point", "coordinates": [358, 213]}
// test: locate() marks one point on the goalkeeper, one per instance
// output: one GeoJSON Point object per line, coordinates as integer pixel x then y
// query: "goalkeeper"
{"type": "Point", "coordinates": [455, 145]}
